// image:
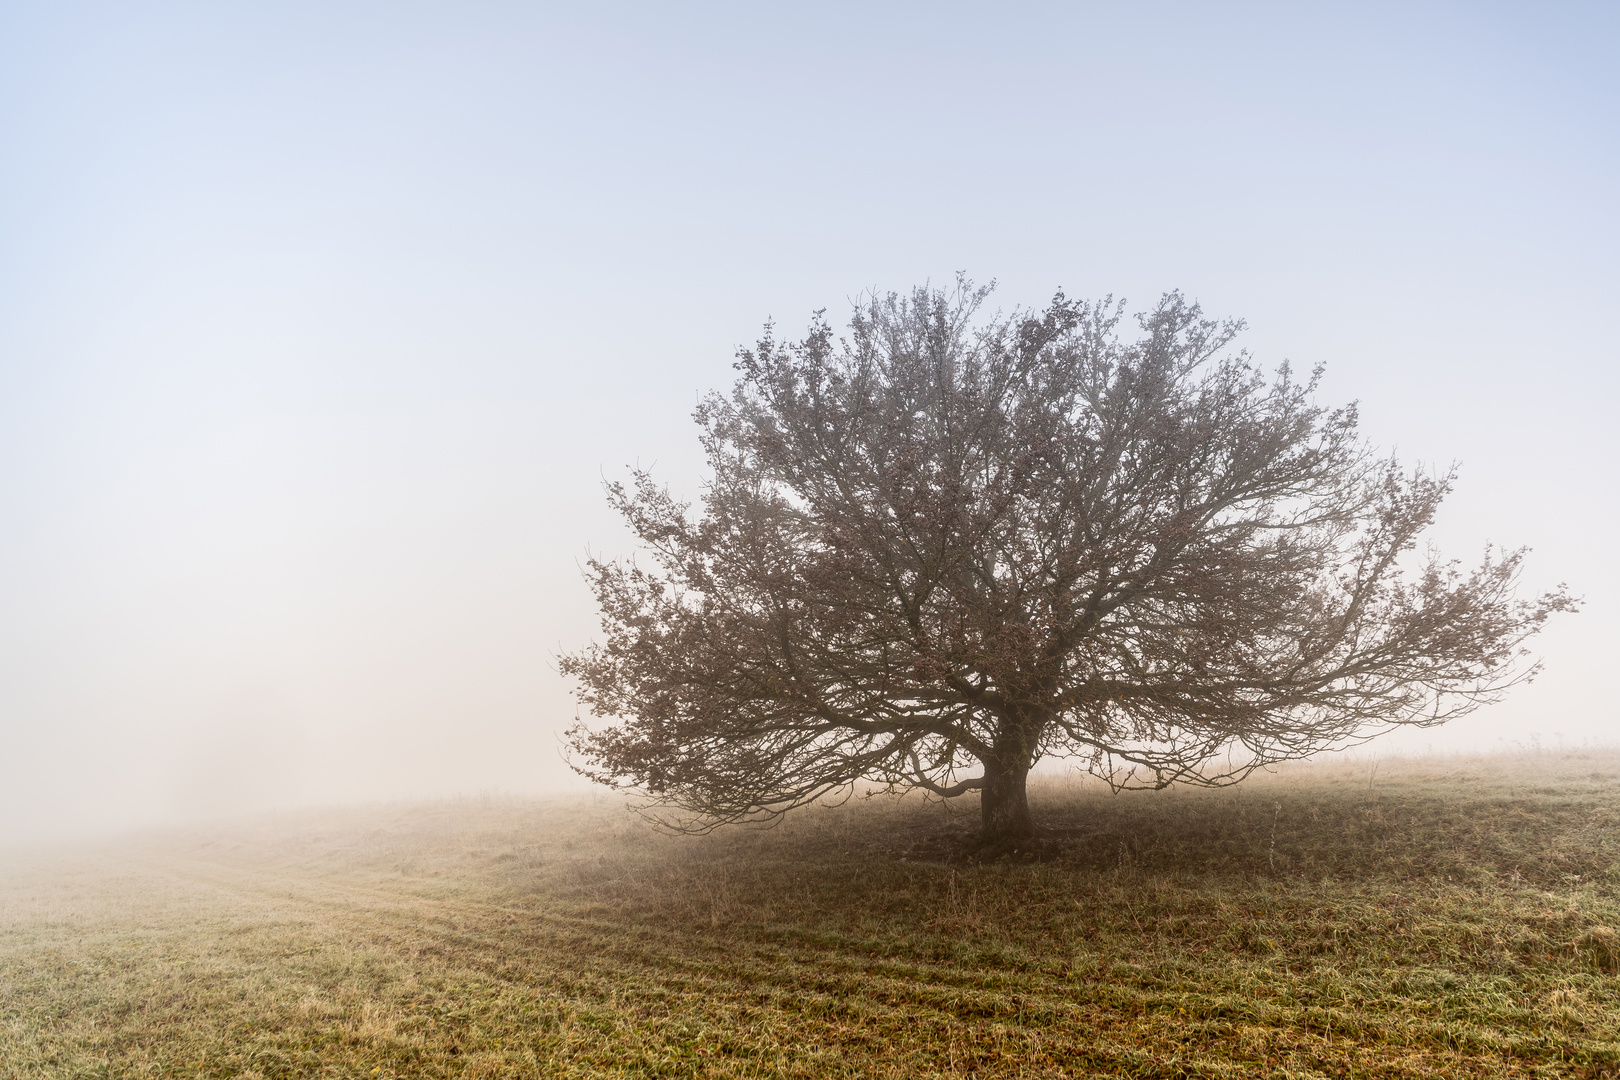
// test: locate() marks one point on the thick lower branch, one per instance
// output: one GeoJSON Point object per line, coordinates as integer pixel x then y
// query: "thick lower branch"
{"type": "Point", "coordinates": [954, 790]}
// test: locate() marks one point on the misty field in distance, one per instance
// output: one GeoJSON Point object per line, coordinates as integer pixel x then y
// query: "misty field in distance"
{"type": "Point", "coordinates": [1440, 917]}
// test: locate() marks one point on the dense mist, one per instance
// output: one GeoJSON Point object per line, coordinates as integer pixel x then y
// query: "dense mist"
{"type": "Point", "coordinates": [320, 328]}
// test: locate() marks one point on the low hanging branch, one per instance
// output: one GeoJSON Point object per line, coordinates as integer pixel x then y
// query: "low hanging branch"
{"type": "Point", "coordinates": [940, 547]}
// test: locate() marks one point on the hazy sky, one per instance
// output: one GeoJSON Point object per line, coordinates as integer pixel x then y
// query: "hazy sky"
{"type": "Point", "coordinates": [321, 323]}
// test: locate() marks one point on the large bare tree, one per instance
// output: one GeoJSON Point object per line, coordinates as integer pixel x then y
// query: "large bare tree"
{"type": "Point", "coordinates": [942, 547]}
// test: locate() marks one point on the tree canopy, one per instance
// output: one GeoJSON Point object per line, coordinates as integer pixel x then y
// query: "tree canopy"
{"type": "Point", "coordinates": [945, 545]}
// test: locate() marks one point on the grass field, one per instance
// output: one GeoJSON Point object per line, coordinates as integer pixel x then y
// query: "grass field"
{"type": "Point", "coordinates": [1438, 918]}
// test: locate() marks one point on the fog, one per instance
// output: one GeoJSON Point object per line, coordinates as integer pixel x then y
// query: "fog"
{"type": "Point", "coordinates": [320, 325]}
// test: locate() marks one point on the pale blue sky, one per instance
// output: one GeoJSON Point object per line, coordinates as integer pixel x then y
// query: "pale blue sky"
{"type": "Point", "coordinates": [319, 323]}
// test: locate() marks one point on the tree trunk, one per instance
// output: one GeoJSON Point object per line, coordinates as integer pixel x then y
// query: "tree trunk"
{"type": "Point", "coordinates": [1003, 804]}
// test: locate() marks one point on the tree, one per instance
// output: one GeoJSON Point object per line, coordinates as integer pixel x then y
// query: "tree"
{"type": "Point", "coordinates": [941, 547]}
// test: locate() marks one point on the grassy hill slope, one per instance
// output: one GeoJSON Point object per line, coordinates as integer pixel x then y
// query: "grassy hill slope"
{"type": "Point", "coordinates": [1449, 917]}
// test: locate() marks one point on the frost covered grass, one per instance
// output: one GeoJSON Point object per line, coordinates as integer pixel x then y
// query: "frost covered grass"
{"type": "Point", "coordinates": [1440, 917]}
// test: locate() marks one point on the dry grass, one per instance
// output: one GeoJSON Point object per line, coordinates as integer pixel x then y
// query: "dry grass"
{"type": "Point", "coordinates": [1448, 918]}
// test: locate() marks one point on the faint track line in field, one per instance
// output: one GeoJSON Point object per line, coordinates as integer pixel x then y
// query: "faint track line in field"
{"type": "Point", "coordinates": [823, 981]}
